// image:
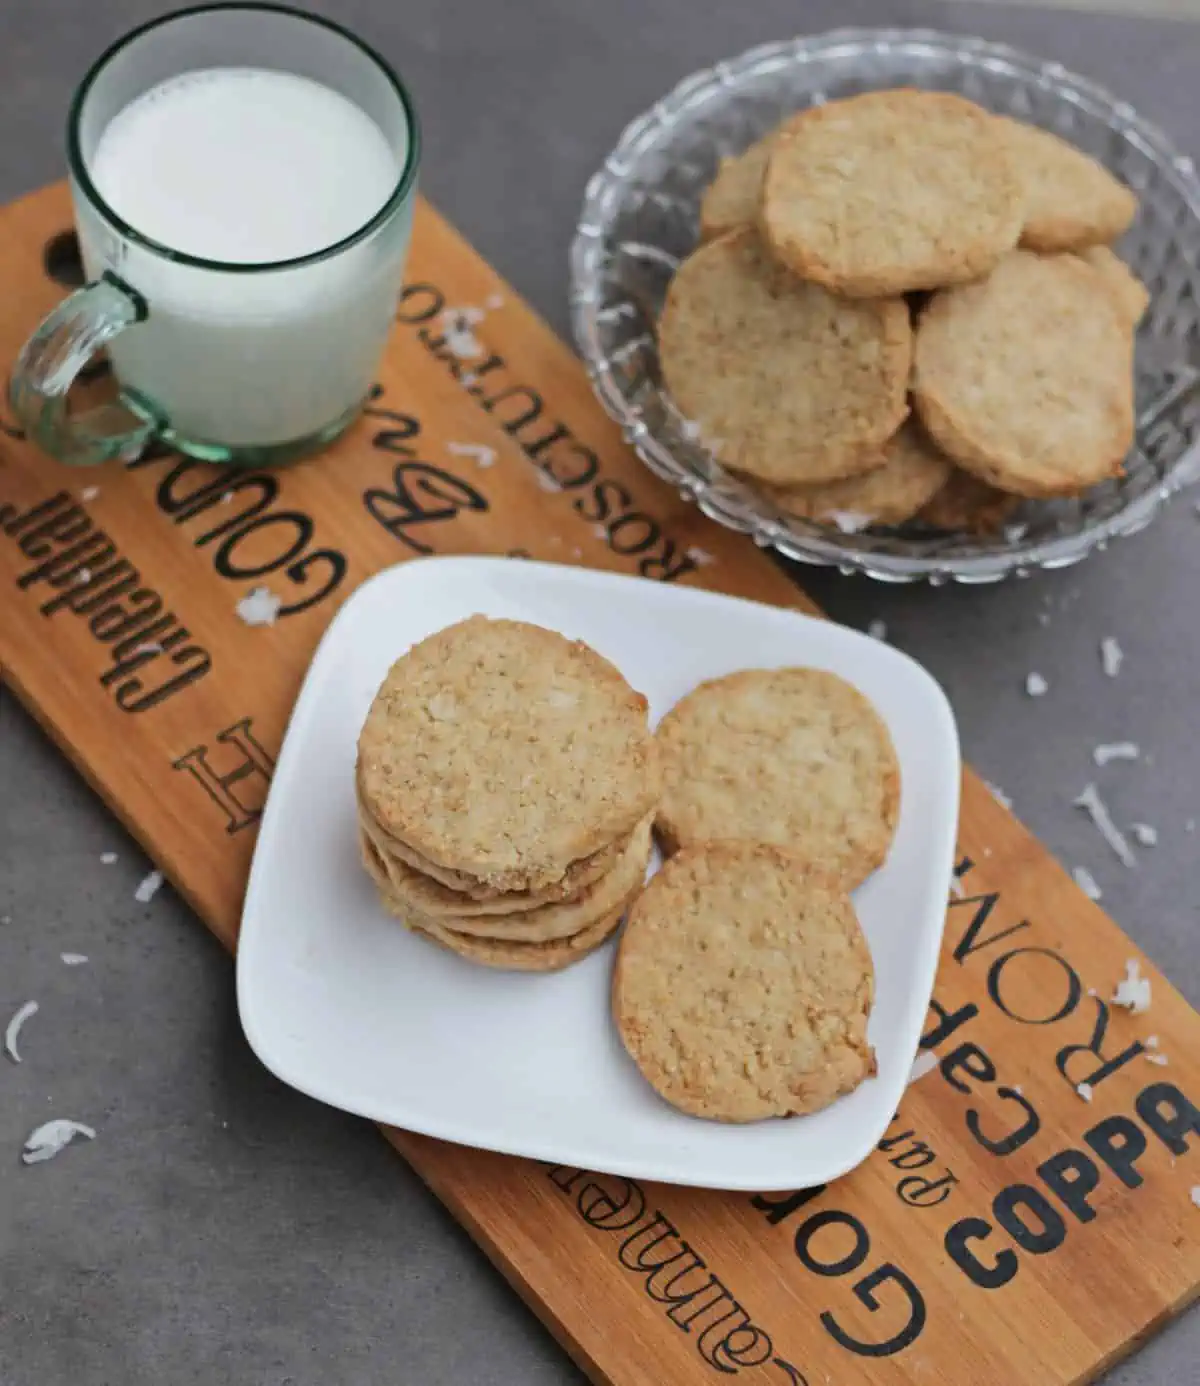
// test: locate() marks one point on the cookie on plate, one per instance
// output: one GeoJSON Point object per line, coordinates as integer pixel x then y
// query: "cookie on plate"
{"type": "Point", "coordinates": [1071, 201]}
{"type": "Point", "coordinates": [1130, 293]}
{"type": "Point", "coordinates": [788, 383]}
{"type": "Point", "coordinates": [550, 956]}
{"type": "Point", "coordinates": [541, 924]}
{"type": "Point", "coordinates": [892, 192]}
{"type": "Point", "coordinates": [743, 985]}
{"type": "Point", "coordinates": [966, 503]}
{"type": "Point", "coordinates": [1026, 378]}
{"type": "Point", "coordinates": [506, 752]}
{"type": "Point", "coordinates": [796, 758]}
{"type": "Point", "coordinates": [913, 471]}
{"type": "Point", "coordinates": [731, 199]}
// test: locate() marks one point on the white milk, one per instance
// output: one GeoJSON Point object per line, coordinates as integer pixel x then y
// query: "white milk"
{"type": "Point", "coordinates": [245, 166]}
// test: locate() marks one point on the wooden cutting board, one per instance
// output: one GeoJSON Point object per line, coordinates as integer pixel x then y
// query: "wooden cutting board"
{"type": "Point", "coordinates": [1006, 1231]}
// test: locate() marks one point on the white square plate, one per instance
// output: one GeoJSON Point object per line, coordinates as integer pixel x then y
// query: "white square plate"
{"type": "Point", "coordinates": [341, 1002]}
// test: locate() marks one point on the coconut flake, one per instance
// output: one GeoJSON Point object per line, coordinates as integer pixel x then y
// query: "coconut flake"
{"type": "Point", "coordinates": [1160, 1059]}
{"type": "Point", "coordinates": [925, 1062]}
{"type": "Point", "coordinates": [494, 301]}
{"type": "Point", "coordinates": [1115, 750]}
{"type": "Point", "coordinates": [1133, 991]}
{"type": "Point", "coordinates": [1144, 835]}
{"type": "Point", "coordinates": [147, 647]}
{"type": "Point", "coordinates": [1111, 655]}
{"type": "Point", "coordinates": [547, 482]}
{"type": "Point", "coordinates": [108, 858]}
{"type": "Point", "coordinates": [259, 607]}
{"type": "Point", "coordinates": [957, 888]}
{"type": "Point", "coordinates": [1096, 809]}
{"type": "Point", "coordinates": [1151, 1041]}
{"type": "Point", "coordinates": [83, 575]}
{"type": "Point", "coordinates": [849, 521]}
{"type": "Point", "coordinates": [73, 959]}
{"type": "Point", "coordinates": [148, 887]}
{"type": "Point", "coordinates": [1195, 1187]}
{"type": "Point", "coordinates": [877, 629]}
{"type": "Point", "coordinates": [1084, 1090]}
{"type": "Point", "coordinates": [998, 794]}
{"type": "Point", "coordinates": [226, 497]}
{"type": "Point", "coordinates": [467, 379]}
{"type": "Point", "coordinates": [49, 1139]}
{"type": "Point", "coordinates": [457, 334]}
{"type": "Point", "coordinates": [700, 557]}
{"type": "Point", "coordinates": [89, 493]}
{"type": "Point", "coordinates": [482, 455]}
{"type": "Point", "coordinates": [1036, 685]}
{"type": "Point", "coordinates": [13, 1029]}
{"type": "Point", "coordinates": [1086, 882]}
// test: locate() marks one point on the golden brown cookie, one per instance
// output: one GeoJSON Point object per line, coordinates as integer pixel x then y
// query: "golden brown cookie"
{"type": "Point", "coordinates": [506, 752]}
{"type": "Point", "coordinates": [788, 383]}
{"type": "Point", "coordinates": [470, 895]}
{"type": "Point", "coordinates": [913, 471]}
{"type": "Point", "coordinates": [967, 503]}
{"type": "Point", "coordinates": [542, 924]}
{"type": "Point", "coordinates": [1071, 201]}
{"type": "Point", "coordinates": [1131, 294]}
{"type": "Point", "coordinates": [731, 199]}
{"type": "Point", "coordinates": [1026, 378]}
{"type": "Point", "coordinates": [890, 192]}
{"type": "Point", "coordinates": [797, 758]}
{"type": "Point", "coordinates": [552, 956]}
{"type": "Point", "coordinates": [743, 985]}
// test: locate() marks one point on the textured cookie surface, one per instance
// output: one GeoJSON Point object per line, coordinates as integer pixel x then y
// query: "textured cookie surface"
{"type": "Point", "coordinates": [797, 758]}
{"type": "Point", "coordinates": [731, 199]}
{"type": "Point", "coordinates": [1026, 378]}
{"type": "Point", "coordinates": [541, 924]}
{"type": "Point", "coordinates": [743, 985]}
{"type": "Point", "coordinates": [789, 383]}
{"type": "Point", "coordinates": [913, 471]}
{"type": "Point", "coordinates": [891, 192]}
{"type": "Point", "coordinates": [1071, 201]}
{"type": "Point", "coordinates": [969, 504]}
{"type": "Point", "coordinates": [551, 956]}
{"type": "Point", "coordinates": [507, 752]}
{"type": "Point", "coordinates": [463, 894]}
{"type": "Point", "coordinates": [1130, 293]}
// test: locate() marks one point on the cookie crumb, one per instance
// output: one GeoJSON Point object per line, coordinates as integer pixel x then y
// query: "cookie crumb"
{"type": "Point", "coordinates": [1036, 685]}
{"type": "Point", "coordinates": [1087, 883]}
{"type": "Point", "coordinates": [1111, 656]}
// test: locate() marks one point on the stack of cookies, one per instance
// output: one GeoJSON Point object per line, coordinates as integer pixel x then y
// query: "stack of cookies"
{"type": "Point", "coordinates": [906, 308]}
{"type": "Point", "coordinates": [507, 782]}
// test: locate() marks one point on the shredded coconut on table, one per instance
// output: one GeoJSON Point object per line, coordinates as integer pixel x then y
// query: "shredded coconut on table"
{"type": "Point", "coordinates": [89, 493]}
{"type": "Point", "coordinates": [1115, 750]}
{"type": "Point", "coordinates": [482, 455]}
{"type": "Point", "coordinates": [46, 1142]}
{"type": "Point", "coordinates": [73, 959]}
{"type": "Point", "coordinates": [1086, 882]}
{"type": "Point", "coordinates": [877, 629]}
{"type": "Point", "coordinates": [495, 301]}
{"type": "Point", "coordinates": [547, 482]}
{"type": "Point", "coordinates": [925, 1062]}
{"type": "Point", "coordinates": [107, 858]}
{"type": "Point", "coordinates": [456, 330]}
{"type": "Point", "coordinates": [148, 887]}
{"type": "Point", "coordinates": [147, 647]}
{"type": "Point", "coordinates": [83, 575]}
{"type": "Point", "coordinates": [1133, 990]}
{"type": "Point", "coordinates": [226, 497]}
{"type": "Point", "coordinates": [1084, 1090]}
{"type": "Point", "coordinates": [701, 557]}
{"type": "Point", "coordinates": [1144, 835]}
{"type": "Point", "coordinates": [1160, 1059]}
{"type": "Point", "coordinates": [1036, 685]}
{"type": "Point", "coordinates": [1111, 656]}
{"type": "Point", "coordinates": [956, 887]}
{"type": "Point", "coordinates": [259, 607]}
{"type": "Point", "coordinates": [1096, 809]}
{"type": "Point", "coordinates": [13, 1029]}
{"type": "Point", "coordinates": [998, 794]}
{"type": "Point", "coordinates": [1195, 1194]}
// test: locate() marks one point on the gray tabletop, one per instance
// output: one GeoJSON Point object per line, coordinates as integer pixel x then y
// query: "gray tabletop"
{"type": "Point", "coordinates": [224, 1229]}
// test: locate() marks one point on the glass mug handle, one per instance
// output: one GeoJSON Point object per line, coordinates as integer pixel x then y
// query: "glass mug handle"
{"type": "Point", "coordinates": [50, 362]}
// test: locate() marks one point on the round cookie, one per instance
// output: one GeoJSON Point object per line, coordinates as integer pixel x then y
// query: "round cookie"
{"type": "Point", "coordinates": [743, 985]}
{"type": "Point", "coordinates": [913, 472]}
{"type": "Point", "coordinates": [539, 925]}
{"type": "Point", "coordinates": [891, 192]}
{"type": "Point", "coordinates": [506, 752]}
{"type": "Point", "coordinates": [791, 383]}
{"type": "Point", "coordinates": [552, 956]}
{"type": "Point", "coordinates": [731, 199]}
{"type": "Point", "coordinates": [1026, 378]}
{"type": "Point", "coordinates": [797, 758]}
{"type": "Point", "coordinates": [1131, 295]}
{"type": "Point", "coordinates": [468, 894]}
{"type": "Point", "coordinates": [1071, 201]}
{"type": "Point", "coordinates": [966, 503]}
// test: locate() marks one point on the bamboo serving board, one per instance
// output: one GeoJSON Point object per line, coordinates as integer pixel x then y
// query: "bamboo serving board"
{"type": "Point", "coordinates": [1006, 1231]}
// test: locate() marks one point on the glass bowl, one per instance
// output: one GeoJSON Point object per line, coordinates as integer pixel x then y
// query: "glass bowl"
{"type": "Point", "coordinates": [639, 219]}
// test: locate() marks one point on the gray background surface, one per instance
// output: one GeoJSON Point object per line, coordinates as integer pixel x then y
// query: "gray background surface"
{"type": "Point", "coordinates": [224, 1229]}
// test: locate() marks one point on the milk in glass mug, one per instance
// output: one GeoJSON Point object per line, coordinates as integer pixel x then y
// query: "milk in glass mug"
{"type": "Point", "coordinates": [243, 179]}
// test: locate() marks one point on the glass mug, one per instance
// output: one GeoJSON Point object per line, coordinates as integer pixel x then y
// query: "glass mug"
{"type": "Point", "coordinates": [251, 363]}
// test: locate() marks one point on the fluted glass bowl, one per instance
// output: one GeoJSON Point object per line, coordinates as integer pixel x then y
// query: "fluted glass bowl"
{"type": "Point", "coordinates": [639, 219]}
